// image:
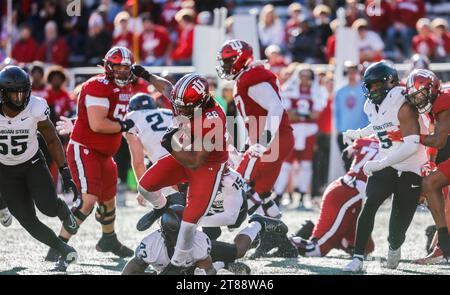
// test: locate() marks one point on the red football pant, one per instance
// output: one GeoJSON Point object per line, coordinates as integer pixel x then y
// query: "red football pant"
{"type": "Point", "coordinates": [203, 182]}
{"type": "Point", "coordinates": [92, 172]}
{"type": "Point", "coordinates": [262, 173]}
{"type": "Point", "coordinates": [338, 217]}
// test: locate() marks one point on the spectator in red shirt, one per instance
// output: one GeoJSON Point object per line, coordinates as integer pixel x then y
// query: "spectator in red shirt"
{"type": "Point", "coordinates": [294, 10]}
{"type": "Point", "coordinates": [182, 53]}
{"type": "Point", "coordinates": [54, 48]}
{"type": "Point", "coordinates": [154, 43]}
{"type": "Point", "coordinates": [38, 86]}
{"type": "Point", "coordinates": [330, 47]}
{"type": "Point", "coordinates": [25, 48]}
{"type": "Point", "coordinates": [58, 98]}
{"type": "Point", "coordinates": [379, 13]}
{"type": "Point", "coordinates": [122, 36]}
{"type": "Point", "coordinates": [353, 11]}
{"type": "Point", "coordinates": [442, 38]}
{"type": "Point", "coordinates": [424, 43]}
{"type": "Point", "coordinates": [276, 59]}
{"type": "Point", "coordinates": [406, 13]}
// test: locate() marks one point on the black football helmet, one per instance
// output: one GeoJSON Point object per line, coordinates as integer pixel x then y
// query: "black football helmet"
{"type": "Point", "coordinates": [15, 88]}
{"type": "Point", "coordinates": [170, 224]}
{"type": "Point", "coordinates": [141, 101]}
{"type": "Point", "coordinates": [381, 75]}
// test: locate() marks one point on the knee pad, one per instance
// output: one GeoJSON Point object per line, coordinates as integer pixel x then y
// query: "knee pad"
{"type": "Point", "coordinates": [77, 211]}
{"type": "Point", "coordinates": [104, 216]}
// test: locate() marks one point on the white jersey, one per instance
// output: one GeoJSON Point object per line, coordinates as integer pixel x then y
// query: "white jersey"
{"type": "Point", "coordinates": [386, 119]}
{"type": "Point", "coordinates": [153, 251]}
{"type": "Point", "coordinates": [18, 135]}
{"type": "Point", "coordinates": [150, 126]}
{"type": "Point", "coordinates": [227, 204]}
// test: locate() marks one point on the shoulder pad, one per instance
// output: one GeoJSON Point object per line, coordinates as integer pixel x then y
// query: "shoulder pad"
{"type": "Point", "coordinates": [39, 107]}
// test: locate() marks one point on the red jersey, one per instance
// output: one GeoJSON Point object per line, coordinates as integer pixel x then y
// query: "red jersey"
{"type": "Point", "coordinates": [424, 45]}
{"type": "Point", "coordinates": [365, 150]}
{"type": "Point", "coordinates": [125, 40]}
{"type": "Point", "coordinates": [248, 107]}
{"type": "Point", "coordinates": [212, 118]}
{"type": "Point", "coordinates": [154, 44]}
{"type": "Point", "coordinates": [325, 118]}
{"type": "Point", "coordinates": [99, 90]}
{"type": "Point", "coordinates": [140, 86]}
{"type": "Point", "coordinates": [303, 104]}
{"type": "Point", "coordinates": [39, 91]}
{"type": "Point", "coordinates": [60, 102]}
{"type": "Point", "coordinates": [408, 11]}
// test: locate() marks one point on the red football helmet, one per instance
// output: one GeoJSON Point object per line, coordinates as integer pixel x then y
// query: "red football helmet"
{"type": "Point", "coordinates": [233, 58]}
{"type": "Point", "coordinates": [189, 93]}
{"type": "Point", "coordinates": [117, 64]}
{"type": "Point", "coordinates": [422, 88]}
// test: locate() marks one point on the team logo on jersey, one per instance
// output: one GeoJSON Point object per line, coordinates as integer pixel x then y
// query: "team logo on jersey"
{"type": "Point", "coordinates": [199, 87]}
{"type": "Point", "coordinates": [236, 45]}
{"type": "Point", "coordinates": [124, 97]}
{"type": "Point", "coordinates": [115, 90]}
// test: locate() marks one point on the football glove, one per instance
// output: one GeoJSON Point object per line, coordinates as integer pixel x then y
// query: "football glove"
{"type": "Point", "coordinates": [68, 184]}
{"type": "Point", "coordinates": [140, 71]}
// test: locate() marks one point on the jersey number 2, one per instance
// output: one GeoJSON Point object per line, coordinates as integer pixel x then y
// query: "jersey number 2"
{"type": "Point", "coordinates": [155, 121]}
{"type": "Point", "coordinates": [15, 142]}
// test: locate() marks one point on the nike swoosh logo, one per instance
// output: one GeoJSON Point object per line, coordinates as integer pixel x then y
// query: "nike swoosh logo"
{"type": "Point", "coordinates": [32, 162]}
{"type": "Point", "coordinates": [23, 119]}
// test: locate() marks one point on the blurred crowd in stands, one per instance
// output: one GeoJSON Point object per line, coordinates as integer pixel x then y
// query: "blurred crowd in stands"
{"type": "Point", "coordinates": [292, 35]}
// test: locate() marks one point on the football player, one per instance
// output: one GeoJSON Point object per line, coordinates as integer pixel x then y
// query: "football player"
{"type": "Point", "coordinates": [424, 92]}
{"type": "Point", "coordinates": [397, 167]}
{"type": "Point", "coordinates": [257, 98]}
{"type": "Point", "coordinates": [25, 180]}
{"type": "Point", "coordinates": [198, 155]}
{"type": "Point", "coordinates": [96, 137]}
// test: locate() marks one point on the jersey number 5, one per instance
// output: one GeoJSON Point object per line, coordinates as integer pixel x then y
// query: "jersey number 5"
{"type": "Point", "coordinates": [384, 139]}
{"type": "Point", "coordinates": [18, 146]}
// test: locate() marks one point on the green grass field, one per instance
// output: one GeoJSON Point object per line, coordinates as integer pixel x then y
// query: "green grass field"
{"type": "Point", "coordinates": [21, 254]}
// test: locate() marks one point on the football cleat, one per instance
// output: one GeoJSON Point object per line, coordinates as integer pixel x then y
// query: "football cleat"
{"type": "Point", "coordinates": [356, 265]}
{"type": "Point", "coordinates": [285, 248]}
{"type": "Point", "coordinates": [5, 217]}
{"type": "Point", "coordinates": [52, 255]}
{"type": "Point", "coordinates": [429, 233]}
{"type": "Point", "coordinates": [436, 256]}
{"type": "Point", "coordinates": [70, 256]}
{"type": "Point", "coordinates": [393, 258]}
{"type": "Point", "coordinates": [305, 247]}
{"type": "Point", "coordinates": [270, 225]}
{"type": "Point", "coordinates": [265, 245]}
{"type": "Point", "coordinates": [306, 229]}
{"type": "Point", "coordinates": [110, 243]}
{"type": "Point", "coordinates": [149, 218]}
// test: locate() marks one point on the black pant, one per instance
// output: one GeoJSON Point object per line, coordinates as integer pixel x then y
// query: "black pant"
{"type": "Point", "coordinates": [406, 189]}
{"type": "Point", "coordinates": [320, 164]}
{"type": "Point", "coordinates": [24, 185]}
{"type": "Point", "coordinates": [2, 203]}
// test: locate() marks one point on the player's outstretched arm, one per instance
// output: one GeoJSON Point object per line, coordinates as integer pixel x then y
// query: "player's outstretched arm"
{"type": "Point", "coordinates": [162, 85]}
{"type": "Point", "coordinates": [137, 155]}
{"type": "Point", "coordinates": [441, 130]}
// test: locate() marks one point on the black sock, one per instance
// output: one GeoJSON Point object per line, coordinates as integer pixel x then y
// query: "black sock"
{"type": "Point", "coordinates": [444, 240]}
{"type": "Point", "coordinates": [225, 252]}
{"type": "Point", "coordinates": [109, 235]}
{"type": "Point", "coordinates": [65, 240]}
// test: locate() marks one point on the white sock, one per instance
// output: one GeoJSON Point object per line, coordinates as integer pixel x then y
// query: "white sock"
{"type": "Point", "coordinates": [304, 176]}
{"type": "Point", "coordinates": [157, 199]}
{"type": "Point", "coordinates": [251, 230]}
{"type": "Point", "coordinates": [185, 242]}
{"type": "Point", "coordinates": [283, 179]}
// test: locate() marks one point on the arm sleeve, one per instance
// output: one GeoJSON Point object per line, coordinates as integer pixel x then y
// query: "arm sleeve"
{"type": "Point", "coordinates": [409, 146]}
{"type": "Point", "coordinates": [264, 95]}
